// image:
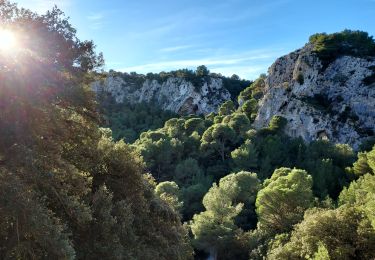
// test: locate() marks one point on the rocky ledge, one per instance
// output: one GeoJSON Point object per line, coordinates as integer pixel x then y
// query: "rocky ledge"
{"type": "Point", "coordinates": [335, 102]}
{"type": "Point", "coordinates": [174, 94]}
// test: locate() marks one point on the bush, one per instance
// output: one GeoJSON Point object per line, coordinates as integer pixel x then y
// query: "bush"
{"type": "Point", "coordinates": [277, 123]}
{"type": "Point", "coordinates": [329, 47]}
{"type": "Point", "coordinates": [300, 78]}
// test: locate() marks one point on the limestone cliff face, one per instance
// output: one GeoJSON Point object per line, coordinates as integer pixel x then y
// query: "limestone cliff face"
{"type": "Point", "coordinates": [332, 102]}
{"type": "Point", "coordinates": [174, 94]}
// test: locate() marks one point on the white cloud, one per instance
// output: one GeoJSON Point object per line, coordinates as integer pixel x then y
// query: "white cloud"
{"type": "Point", "coordinates": [176, 48]}
{"type": "Point", "coordinates": [41, 6]}
{"type": "Point", "coordinates": [95, 17]}
{"type": "Point", "coordinates": [96, 20]}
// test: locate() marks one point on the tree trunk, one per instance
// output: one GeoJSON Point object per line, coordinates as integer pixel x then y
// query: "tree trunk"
{"type": "Point", "coordinates": [222, 152]}
{"type": "Point", "coordinates": [213, 254]}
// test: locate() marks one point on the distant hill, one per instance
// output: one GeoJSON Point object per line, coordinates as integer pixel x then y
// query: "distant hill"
{"type": "Point", "coordinates": [182, 91]}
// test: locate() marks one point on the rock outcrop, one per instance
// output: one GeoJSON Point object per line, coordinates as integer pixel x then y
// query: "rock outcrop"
{"type": "Point", "coordinates": [321, 102]}
{"type": "Point", "coordinates": [174, 94]}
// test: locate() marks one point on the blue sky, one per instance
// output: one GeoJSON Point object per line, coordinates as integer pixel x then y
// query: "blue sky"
{"type": "Point", "coordinates": [240, 37]}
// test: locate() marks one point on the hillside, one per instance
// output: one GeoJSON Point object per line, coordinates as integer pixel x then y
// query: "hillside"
{"type": "Point", "coordinates": [321, 99]}
{"type": "Point", "coordinates": [321, 96]}
{"type": "Point", "coordinates": [183, 92]}
{"type": "Point", "coordinates": [230, 172]}
{"type": "Point", "coordinates": [187, 164]}
{"type": "Point", "coordinates": [134, 103]}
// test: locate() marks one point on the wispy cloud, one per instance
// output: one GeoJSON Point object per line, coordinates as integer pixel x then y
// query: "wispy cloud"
{"type": "Point", "coordinates": [246, 64]}
{"type": "Point", "coordinates": [176, 48]}
{"type": "Point", "coordinates": [157, 31]}
{"type": "Point", "coordinates": [95, 17]}
{"type": "Point", "coordinates": [96, 20]}
{"type": "Point", "coordinates": [41, 6]}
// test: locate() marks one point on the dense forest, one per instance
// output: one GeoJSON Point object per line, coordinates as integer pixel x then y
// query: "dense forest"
{"type": "Point", "coordinates": [177, 187]}
{"type": "Point", "coordinates": [68, 191]}
{"type": "Point", "coordinates": [128, 120]}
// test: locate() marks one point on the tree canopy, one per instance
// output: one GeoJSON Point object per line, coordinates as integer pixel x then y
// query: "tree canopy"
{"type": "Point", "coordinates": [70, 189]}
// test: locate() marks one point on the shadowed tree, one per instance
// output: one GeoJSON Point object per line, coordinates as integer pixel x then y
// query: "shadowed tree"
{"type": "Point", "coordinates": [218, 139]}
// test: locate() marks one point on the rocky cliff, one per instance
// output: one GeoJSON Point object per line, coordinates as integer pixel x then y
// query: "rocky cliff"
{"type": "Point", "coordinates": [174, 93]}
{"type": "Point", "coordinates": [334, 101]}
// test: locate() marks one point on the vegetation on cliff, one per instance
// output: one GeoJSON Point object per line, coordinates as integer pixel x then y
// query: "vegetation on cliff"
{"type": "Point", "coordinates": [197, 77]}
{"type": "Point", "coordinates": [353, 43]}
{"type": "Point", "coordinates": [70, 191]}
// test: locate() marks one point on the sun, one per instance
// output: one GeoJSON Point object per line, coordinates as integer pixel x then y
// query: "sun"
{"type": "Point", "coordinates": [8, 41]}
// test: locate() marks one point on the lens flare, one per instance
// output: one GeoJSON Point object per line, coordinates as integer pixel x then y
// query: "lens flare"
{"type": "Point", "coordinates": [8, 41]}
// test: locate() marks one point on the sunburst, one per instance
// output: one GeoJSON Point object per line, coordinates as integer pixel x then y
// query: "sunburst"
{"type": "Point", "coordinates": [8, 41]}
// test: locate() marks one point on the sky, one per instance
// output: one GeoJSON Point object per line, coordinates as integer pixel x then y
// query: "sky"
{"type": "Point", "coordinates": [242, 37]}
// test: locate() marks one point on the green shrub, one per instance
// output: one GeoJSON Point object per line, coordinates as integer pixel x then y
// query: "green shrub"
{"type": "Point", "coordinates": [277, 123]}
{"type": "Point", "coordinates": [255, 90]}
{"type": "Point", "coordinates": [300, 78]}
{"type": "Point", "coordinates": [329, 47]}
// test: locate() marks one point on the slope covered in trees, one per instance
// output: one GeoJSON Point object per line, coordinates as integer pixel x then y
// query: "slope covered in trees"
{"type": "Point", "coordinates": [132, 103]}
{"type": "Point", "coordinates": [128, 121]}
{"type": "Point", "coordinates": [68, 191]}
{"type": "Point", "coordinates": [256, 194]}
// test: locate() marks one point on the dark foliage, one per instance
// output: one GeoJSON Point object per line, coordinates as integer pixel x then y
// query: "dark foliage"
{"type": "Point", "coordinates": [329, 47]}
{"type": "Point", "coordinates": [128, 121]}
